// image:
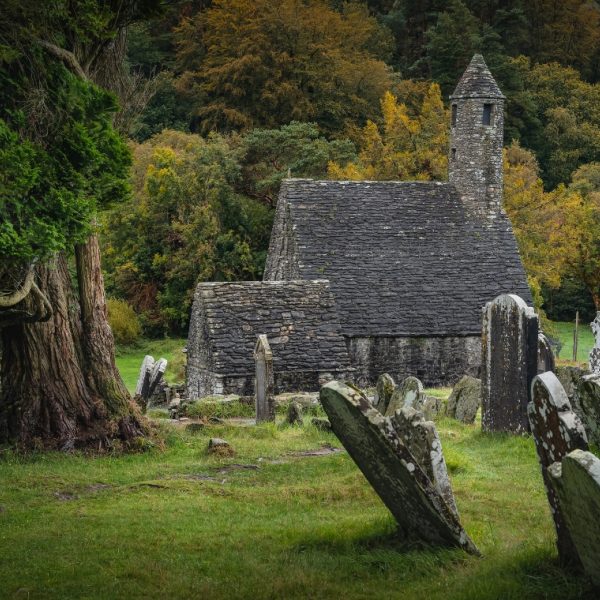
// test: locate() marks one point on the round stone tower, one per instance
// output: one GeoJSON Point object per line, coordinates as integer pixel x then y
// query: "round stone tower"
{"type": "Point", "coordinates": [476, 139]}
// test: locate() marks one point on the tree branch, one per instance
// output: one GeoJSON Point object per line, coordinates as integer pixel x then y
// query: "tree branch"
{"type": "Point", "coordinates": [67, 57]}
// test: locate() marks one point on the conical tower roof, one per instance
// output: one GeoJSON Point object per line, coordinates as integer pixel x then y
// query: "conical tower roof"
{"type": "Point", "coordinates": [477, 82]}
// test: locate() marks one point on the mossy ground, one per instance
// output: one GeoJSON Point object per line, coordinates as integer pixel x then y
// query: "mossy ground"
{"type": "Point", "coordinates": [178, 523]}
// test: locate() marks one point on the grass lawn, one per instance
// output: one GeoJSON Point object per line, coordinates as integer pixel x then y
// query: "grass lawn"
{"type": "Point", "coordinates": [179, 524]}
{"type": "Point", "coordinates": [585, 344]}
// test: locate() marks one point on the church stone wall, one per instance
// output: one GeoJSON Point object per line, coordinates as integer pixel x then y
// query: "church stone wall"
{"type": "Point", "coordinates": [434, 360]}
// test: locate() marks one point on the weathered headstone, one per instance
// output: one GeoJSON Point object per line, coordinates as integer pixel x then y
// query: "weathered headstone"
{"type": "Point", "coordinates": [589, 398]}
{"type": "Point", "coordinates": [143, 382]}
{"type": "Point", "coordinates": [264, 389]}
{"type": "Point", "coordinates": [156, 375]}
{"type": "Point", "coordinates": [408, 393]}
{"type": "Point", "coordinates": [432, 407]}
{"type": "Point", "coordinates": [465, 399]}
{"type": "Point", "coordinates": [546, 360]}
{"type": "Point", "coordinates": [509, 363]}
{"type": "Point", "coordinates": [151, 374]}
{"type": "Point", "coordinates": [576, 482]}
{"type": "Point", "coordinates": [294, 414]}
{"type": "Point", "coordinates": [383, 392]}
{"type": "Point", "coordinates": [423, 442]}
{"type": "Point", "coordinates": [556, 430]}
{"type": "Point", "coordinates": [372, 442]}
{"type": "Point", "coordinates": [595, 351]}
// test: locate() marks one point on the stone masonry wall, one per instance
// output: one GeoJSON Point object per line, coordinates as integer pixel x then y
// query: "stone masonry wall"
{"type": "Point", "coordinates": [434, 360]}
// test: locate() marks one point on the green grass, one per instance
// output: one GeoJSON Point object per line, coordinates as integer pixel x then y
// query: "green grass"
{"type": "Point", "coordinates": [584, 345]}
{"type": "Point", "coordinates": [171, 525]}
{"type": "Point", "coordinates": [129, 359]}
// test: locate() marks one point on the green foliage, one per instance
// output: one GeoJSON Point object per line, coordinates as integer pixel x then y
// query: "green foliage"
{"type": "Point", "coordinates": [123, 321]}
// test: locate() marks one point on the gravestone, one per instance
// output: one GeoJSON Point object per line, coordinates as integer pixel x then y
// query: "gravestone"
{"type": "Point", "coordinates": [370, 439]}
{"type": "Point", "coordinates": [156, 375]}
{"type": "Point", "coordinates": [294, 415]}
{"type": "Point", "coordinates": [264, 387]}
{"type": "Point", "coordinates": [556, 430]}
{"type": "Point", "coordinates": [576, 482]}
{"type": "Point", "coordinates": [509, 363]}
{"type": "Point", "coordinates": [383, 392]}
{"type": "Point", "coordinates": [423, 442]}
{"type": "Point", "coordinates": [150, 376]}
{"type": "Point", "coordinates": [143, 382]}
{"type": "Point", "coordinates": [432, 407]}
{"type": "Point", "coordinates": [589, 401]}
{"type": "Point", "coordinates": [546, 360]}
{"type": "Point", "coordinates": [465, 399]}
{"type": "Point", "coordinates": [595, 351]}
{"type": "Point", "coordinates": [409, 393]}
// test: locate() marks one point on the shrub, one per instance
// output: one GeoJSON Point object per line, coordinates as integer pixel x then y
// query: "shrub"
{"type": "Point", "coordinates": [123, 321]}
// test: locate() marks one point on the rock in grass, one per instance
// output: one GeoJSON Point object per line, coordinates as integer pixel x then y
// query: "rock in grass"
{"type": "Point", "coordinates": [465, 400]}
{"type": "Point", "coordinates": [321, 423]}
{"type": "Point", "coordinates": [194, 427]}
{"type": "Point", "coordinates": [220, 447]}
{"type": "Point", "coordinates": [294, 414]}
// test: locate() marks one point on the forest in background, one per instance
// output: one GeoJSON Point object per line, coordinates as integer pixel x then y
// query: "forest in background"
{"type": "Point", "coordinates": [232, 95]}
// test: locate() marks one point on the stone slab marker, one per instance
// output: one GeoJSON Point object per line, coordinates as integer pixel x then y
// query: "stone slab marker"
{"type": "Point", "coordinates": [546, 360]}
{"type": "Point", "coordinates": [465, 399]}
{"type": "Point", "coordinates": [556, 430]}
{"type": "Point", "coordinates": [265, 381]}
{"type": "Point", "coordinates": [409, 392]}
{"type": "Point", "coordinates": [595, 351]}
{"type": "Point", "coordinates": [576, 482]}
{"type": "Point", "coordinates": [370, 439]}
{"type": "Point", "coordinates": [143, 382]}
{"type": "Point", "coordinates": [158, 370]}
{"type": "Point", "coordinates": [509, 345]}
{"type": "Point", "coordinates": [383, 392]}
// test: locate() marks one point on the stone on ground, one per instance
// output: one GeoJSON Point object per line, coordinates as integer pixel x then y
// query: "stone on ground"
{"type": "Point", "coordinates": [383, 392]}
{"type": "Point", "coordinates": [576, 482]}
{"type": "Point", "coordinates": [220, 447]}
{"type": "Point", "coordinates": [409, 393]}
{"type": "Point", "coordinates": [595, 351]}
{"type": "Point", "coordinates": [509, 345]}
{"type": "Point", "coordinates": [294, 414]}
{"type": "Point", "coordinates": [465, 400]}
{"type": "Point", "coordinates": [321, 423]}
{"type": "Point", "coordinates": [423, 442]}
{"type": "Point", "coordinates": [421, 512]}
{"type": "Point", "coordinates": [556, 430]}
{"type": "Point", "coordinates": [433, 407]}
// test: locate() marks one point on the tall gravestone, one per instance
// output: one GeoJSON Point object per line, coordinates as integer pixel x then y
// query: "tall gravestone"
{"type": "Point", "coordinates": [546, 360]}
{"type": "Point", "coordinates": [595, 351]}
{"type": "Point", "coordinates": [409, 393]}
{"type": "Point", "coordinates": [509, 363]}
{"type": "Point", "coordinates": [265, 380]}
{"type": "Point", "coordinates": [556, 430]}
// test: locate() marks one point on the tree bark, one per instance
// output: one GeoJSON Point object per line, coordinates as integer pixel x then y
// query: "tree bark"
{"type": "Point", "coordinates": [51, 394]}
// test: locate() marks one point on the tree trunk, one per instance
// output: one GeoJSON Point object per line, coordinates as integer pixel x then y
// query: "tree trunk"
{"type": "Point", "coordinates": [51, 393]}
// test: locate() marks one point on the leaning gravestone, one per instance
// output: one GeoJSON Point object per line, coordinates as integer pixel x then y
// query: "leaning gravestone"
{"type": "Point", "coordinates": [151, 374]}
{"type": "Point", "coordinates": [419, 509]}
{"type": "Point", "coordinates": [546, 360]}
{"type": "Point", "coordinates": [143, 382]}
{"type": "Point", "coordinates": [383, 392]}
{"type": "Point", "coordinates": [509, 363]}
{"type": "Point", "coordinates": [409, 393]}
{"type": "Point", "coordinates": [556, 430]}
{"type": "Point", "coordinates": [576, 483]}
{"type": "Point", "coordinates": [465, 399]}
{"type": "Point", "coordinates": [156, 375]}
{"type": "Point", "coordinates": [423, 442]}
{"type": "Point", "coordinates": [265, 381]}
{"type": "Point", "coordinates": [595, 351]}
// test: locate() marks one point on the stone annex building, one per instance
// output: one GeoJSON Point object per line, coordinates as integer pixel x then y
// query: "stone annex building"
{"type": "Point", "coordinates": [373, 276]}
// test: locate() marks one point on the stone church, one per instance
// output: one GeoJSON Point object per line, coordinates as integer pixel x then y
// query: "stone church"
{"type": "Point", "coordinates": [409, 264]}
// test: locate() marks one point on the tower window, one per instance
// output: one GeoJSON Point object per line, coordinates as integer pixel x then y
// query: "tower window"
{"type": "Point", "coordinates": [454, 111]}
{"type": "Point", "coordinates": [453, 153]}
{"type": "Point", "coordinates": [487, 114]}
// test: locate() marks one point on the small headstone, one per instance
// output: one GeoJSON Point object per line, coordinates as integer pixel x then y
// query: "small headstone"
{"type": "Point", "coordinates": [321, 423]}
{"type": "Point", "coordinates": [589, 398]}
{"type": "Point", "coordinates": [383, 392]}
{"type": "Point", "coordinates": [432, 407]}
{"type": "Point", "coordinates": [156, 375]}
{"type": "Point", "coordinates": [174, 406]}
{"type": "Point", "coordinates": [370, 439]}
{"type": "Point", "coordinates": [264, 389]}
{"type": "Point", "coordinates": [595, 351]}
{"type": "Point", "coordinates": [220, 446]}
{"type": "Point", "coordinates": [509, 345]}
{"type": "Point", "coordinates": [409, 393]}
{"type": "Point", "coordinates": [143, 382]}
{"type": "Point", "coordinates": [576, 482]}
{"type": "Point", "coordinates": [546, 360]}
{"type": "Point", "coordinates": [465, 399]}
{"type": "Point", "coordinates": [294, 414]}
{"type": "Point", "coordinates": [423, 442]}
{"type": "Point", "coordinates": [556, 430]}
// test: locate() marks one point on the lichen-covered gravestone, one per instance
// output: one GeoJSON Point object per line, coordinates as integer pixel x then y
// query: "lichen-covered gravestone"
{"type": "Point", "coordinates": [576, 482]}
{"type": "Point", "coordinates": [595, 351]}
{"type": "Point", "coordinates": [546, 360]}
{"type": "Point", "coordinates": [509, 363]}
{"type": "Point", "coordinates": [423, 442]}
{"type": "Point", "coordinates": [420, 510]}
{"type": "Point", "coordinates": [383, 392]}
{"type": "Point", "coordinates": [556, 430]}
{"type": "Point", "coordinates": [264, 380]}
{"type": "Point", "coordinates": [151, 373]}
{"type": "Point", "coordinates": [465, 399]}
{"type": "Point", "coordinates": [410, 392]}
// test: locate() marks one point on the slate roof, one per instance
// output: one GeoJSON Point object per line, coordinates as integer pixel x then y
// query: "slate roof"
{"type": "Point", "coordinates": [402, 258]}
{"type": "Point", "coordinates": [477, 82]}
{"type": "Point", "coordinates": [298, 317]}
